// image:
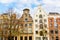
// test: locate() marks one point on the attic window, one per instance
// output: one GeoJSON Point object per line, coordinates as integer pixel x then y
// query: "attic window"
{"type": "Point", "coordinates": [39, 10]}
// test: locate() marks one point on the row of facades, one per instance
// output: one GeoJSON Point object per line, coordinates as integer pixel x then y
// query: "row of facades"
{"type": "Point", "coordinates": [41, 26]}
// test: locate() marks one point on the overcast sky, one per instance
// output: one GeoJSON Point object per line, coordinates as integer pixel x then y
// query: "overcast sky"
{"type": "Point", "coordinates": [19, 5]}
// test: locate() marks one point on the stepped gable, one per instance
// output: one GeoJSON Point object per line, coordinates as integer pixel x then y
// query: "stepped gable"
{"type": "Point", "coordinates": [26, 15]}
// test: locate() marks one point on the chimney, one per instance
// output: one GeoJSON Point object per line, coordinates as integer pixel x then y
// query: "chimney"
{"type": "Point", "coordinates": [26, 11]}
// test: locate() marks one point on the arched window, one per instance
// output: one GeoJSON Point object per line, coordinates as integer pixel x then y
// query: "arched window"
{"type": "Point", "coordinates": [41, 33]}
{"type": "Point", "coordinates": [41, 26]}
{"type": "Point", "coordinates": [40, 16]}
{"type": "Point", "coordinates": [40, 21]}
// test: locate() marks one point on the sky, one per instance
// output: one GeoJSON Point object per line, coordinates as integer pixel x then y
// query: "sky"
{"type": "Point", "coordinates": [19, 5]}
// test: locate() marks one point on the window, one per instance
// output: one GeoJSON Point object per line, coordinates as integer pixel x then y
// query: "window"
{"type": "Point", "coordinates": [38, 38]}
{"type": "Point", "coordinates": [30, 37]}
{"type": "Point", "coordinates": [51, 31]}
{"type": "Point", "coordinates": [45, 25]}
{"type": "Point", "coordinates": [56, 31]}
{"type": "Point", "coordinates": [26, 25]}
{"type": "Point", "coordinates": [26, 15]}
{"type": "Point", "coordinates": [21, 24]}
{"type": "Point", "coordinates": [36, 32]}
{"type": "Point", "coordinates": [46, 31]}
{"type": "Point", "coordinates": [30, 30]}
{"type": "Point", "coordinates": [26, 19]}
{"type": "Point", "coordinates": [55, 25]}
{"type": "Point", "coordinates": [36, 26]}
{"type": "Point", "coordinates": [44, 20]}
{"type": "Point", "coordinates": [41, 33]}
{"type": "Point", "coordinates": [25, 37]}
{"type": "Point", "coordinates": [40, 16]}
{"type": "Point", "coordinates": [39, 10]}
{"type": "Point", "coordinates": [30, 24]}
{"type": "Point", "coordinates": [45, 38]}
{"type": "Point", "coordinates": [21, 37]}
{"type": "Point", "coordinates": [15, 38]}
{"type": "Point", "coordinates": [52, 38]}
{"type": "Point", "coordinates": [41, 26]}
{"type": "Point", "coordinates": [40, 21]}
{"type": "Point", "coordinates": [50, 25]}
{"type": "Point", "coordinates": [35, 20]}
{"type": "Point", "coordinates": [57, 38]}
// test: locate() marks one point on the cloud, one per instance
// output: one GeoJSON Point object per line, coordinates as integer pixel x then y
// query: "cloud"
{"type": "Point", "coordinates": [6, 1]}
{"type": "Point", "coordinates": [52, 5]}
{"type": "Point", "coordinates": [48, 5]}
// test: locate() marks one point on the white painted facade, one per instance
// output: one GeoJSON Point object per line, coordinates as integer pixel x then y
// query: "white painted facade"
{"type": "Point", "coordinates": [40, 20]}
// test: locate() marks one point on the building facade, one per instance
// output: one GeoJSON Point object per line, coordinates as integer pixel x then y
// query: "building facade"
{"type": "Point", "coordinates": [8, 26]}
{"type": "Point", "coordinates": [26, 26]}
{"type": "Point", "coordinates": [40, 24]}
{"type": "Point", "coordinates": [54, 26]}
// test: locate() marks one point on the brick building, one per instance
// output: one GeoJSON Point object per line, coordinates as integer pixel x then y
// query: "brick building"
{"type": "Point", "coordinates": [54, 26]}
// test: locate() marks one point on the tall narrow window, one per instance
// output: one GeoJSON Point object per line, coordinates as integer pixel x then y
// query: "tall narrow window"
{"type": "Point", "coordinates": [57, 38]}
{"type": "Point", "coordinates": [56, 31]}
{"type": "Point", "coordinates": [21, 37]}
{"type": "Point", "coordinates": [36, 20]}
{"type": "Point", "coordinates": [40, 21]}
{"type": "Point", "coordinates": [25, 37]}
{"type": "Point", "coordinates": [15, 38]}
{"type": "Point", "coordinates": [52, 38]}
{"type": "Point", "coordinates": [45, 20]}
{"type": "Point", "coordinates": [41, 33]}
{"type": "Point", "coordinates": [30, 37]}
{"type": "Point", "coordinates": [40, 16]}
{"type": "Point", "coordinates": [30, 24]}
{"type": "Point", "coordinates": [39, 10]}
{"type": "Point", "coordinates": [36, 32]}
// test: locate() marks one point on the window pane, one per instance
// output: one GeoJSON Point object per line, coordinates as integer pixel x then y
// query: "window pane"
{"type": "Point", "coordinates": [35, 20]}
{"type": "Point", "coordinates": [30, 37]}
{"type": "Point", "coordinates": [15, 38]}
{"type": "Point", "coordinates": [51, 31]}
{"type": "Point", "coordinates": [26, 19]}
{"type": "Point", "coordinates": [30, 24]}
{"type": "Point", "coordinates": [26, 25]}
{"type": "Point", "coordinates": [36, 32]}
{"type": "Point", "coordinates": [41, 26]}
{"type": "Point", "coordinates": [56, 31]}
{"type": "Point", "coordinates": [41, 33]}
{"type": "Point", "coordinates": [21, 38]}
{"type": "Point", "coordinates": [40, 16]}
{"type": "Point", "coordinates": [40, 21]}
{"type": "Point", "coordinates": [26, 38]}
{"type": "Point", "coordinates": [44, 20]}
